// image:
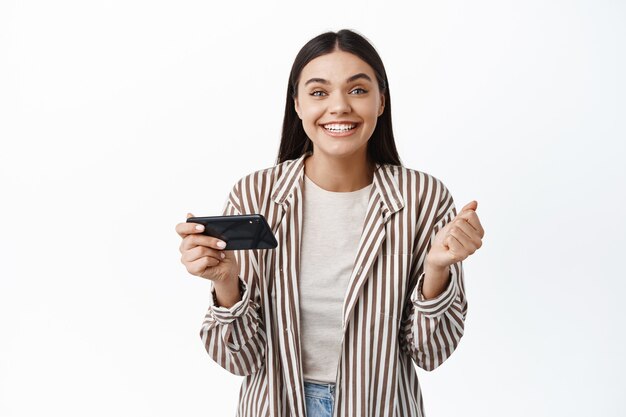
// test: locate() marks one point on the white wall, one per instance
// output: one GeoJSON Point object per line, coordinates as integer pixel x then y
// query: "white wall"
{"type": "Point", "coordinates": [119, 117]}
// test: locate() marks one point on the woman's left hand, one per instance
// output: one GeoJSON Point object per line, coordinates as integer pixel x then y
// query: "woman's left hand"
{"type": "Point", "coordinates": [457, 240]}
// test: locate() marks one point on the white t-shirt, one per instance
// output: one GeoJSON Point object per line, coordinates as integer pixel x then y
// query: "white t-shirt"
{"type": "Point", "coordinates": [332, 225]}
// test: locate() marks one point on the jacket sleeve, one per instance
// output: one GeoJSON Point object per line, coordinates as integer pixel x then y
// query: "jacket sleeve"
{"type": "Point", "coordinates": [235, 337]}
{"type": "Point", "coordinates": [431, 329]}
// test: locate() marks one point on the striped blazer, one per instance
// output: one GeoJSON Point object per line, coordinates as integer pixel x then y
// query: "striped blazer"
{"type": "Point", "coordinates": [387, 323]}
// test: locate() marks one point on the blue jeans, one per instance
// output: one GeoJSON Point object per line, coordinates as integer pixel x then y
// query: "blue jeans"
{"type": "Point", "coordinates": [319, 399]}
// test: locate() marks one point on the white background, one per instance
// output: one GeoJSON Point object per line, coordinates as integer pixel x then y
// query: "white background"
{"type": "Point", "coordinates": [119, 117]}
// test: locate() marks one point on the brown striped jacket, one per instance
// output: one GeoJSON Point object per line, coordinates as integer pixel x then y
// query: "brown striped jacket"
{"type": "Point", "coordinates": [387, 323]}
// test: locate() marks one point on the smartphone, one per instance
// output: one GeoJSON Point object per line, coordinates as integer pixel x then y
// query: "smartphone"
{"type": "Point", "coordinates": [240, 231]}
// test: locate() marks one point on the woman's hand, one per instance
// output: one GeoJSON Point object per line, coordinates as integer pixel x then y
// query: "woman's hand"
{"type": "Point", "coordinates": [456, 240]}
{"type": "Point", "coordinates": [203, 257]}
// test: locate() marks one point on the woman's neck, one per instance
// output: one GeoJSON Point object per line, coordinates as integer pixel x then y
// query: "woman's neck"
{"type": "Point", "coordinates": [339, 174]}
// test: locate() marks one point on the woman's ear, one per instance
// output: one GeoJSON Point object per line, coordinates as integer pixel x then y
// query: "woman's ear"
{"type": "Point", "coordinates": [297, 107]}
{"type": "Point", "coordinates": [382, 105]}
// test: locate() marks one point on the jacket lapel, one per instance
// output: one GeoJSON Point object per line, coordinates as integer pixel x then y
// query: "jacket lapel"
{"type": "Point", "coordinates": [384, 200]}
{"type": "Point", "coordinates": [287, 193]}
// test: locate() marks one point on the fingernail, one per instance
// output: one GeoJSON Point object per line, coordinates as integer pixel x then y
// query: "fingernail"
{"type": "Point", "coordinates": [222, 255]}
{"type": "Point", "coordinates": [199, 227]}
{"type": "Point", "coordinates": [221, 244]}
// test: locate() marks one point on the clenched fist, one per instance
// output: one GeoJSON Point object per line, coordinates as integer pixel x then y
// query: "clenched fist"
{"type": "Point", "coordinates": [457, 239]}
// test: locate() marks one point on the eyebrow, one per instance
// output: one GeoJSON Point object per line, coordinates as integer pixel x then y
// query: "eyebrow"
{"type": "Point", "coordinates": [350, 79]}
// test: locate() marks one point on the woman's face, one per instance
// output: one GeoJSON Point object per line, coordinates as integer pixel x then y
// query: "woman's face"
{"type": "Point", "coordinates": [339, 103]}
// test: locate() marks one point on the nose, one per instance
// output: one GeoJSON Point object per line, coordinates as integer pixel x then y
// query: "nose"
{"type": "Point", "coordinates": [339, 104]}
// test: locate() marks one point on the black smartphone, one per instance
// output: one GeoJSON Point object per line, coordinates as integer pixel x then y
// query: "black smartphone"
{"type": "Point", "coordinates": [240, 231]}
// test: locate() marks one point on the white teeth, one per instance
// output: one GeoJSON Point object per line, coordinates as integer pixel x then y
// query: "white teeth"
{"type": "Point", "coordinates": [335, 127]}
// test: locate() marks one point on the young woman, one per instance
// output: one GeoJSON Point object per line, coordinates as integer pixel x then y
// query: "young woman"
{"type": "Point", "coordinates": [367, 278]}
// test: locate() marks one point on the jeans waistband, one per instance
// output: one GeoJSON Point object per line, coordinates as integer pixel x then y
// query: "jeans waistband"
{"type": "Point", "coordinates": [319, 387]}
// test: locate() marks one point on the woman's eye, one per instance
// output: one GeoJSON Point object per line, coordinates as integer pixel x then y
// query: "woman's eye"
{"type": "Point", "coordinates": [361, 89]}
{"type": "Point", "coordinates": [314, 93]}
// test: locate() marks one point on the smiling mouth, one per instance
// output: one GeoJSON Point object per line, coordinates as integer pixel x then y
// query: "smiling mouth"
{"type": "Point", "coordinates": [340, 127]}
